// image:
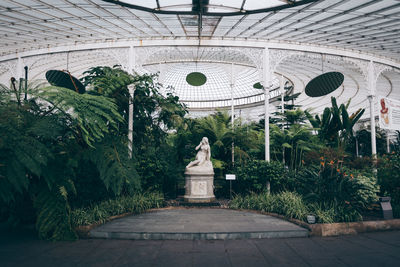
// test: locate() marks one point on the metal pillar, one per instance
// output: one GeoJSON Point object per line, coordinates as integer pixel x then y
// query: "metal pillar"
{"type": "Point", "coordinates": [357, 147]}
{"type": "Point", "coordinates": [266, 84]}
{"type": "Point", "coordinates": [18, 71]}
{"type": "Point", "coordinates": [371, 98]}
{"type": "Point", "coordinates": [232, 114]}
{"type": "Point", "coordinates": [387, 142]}
{"type": "Point", "coordinates": [131, 64]}
{"type": "Point", "coordinates": [282, 89]}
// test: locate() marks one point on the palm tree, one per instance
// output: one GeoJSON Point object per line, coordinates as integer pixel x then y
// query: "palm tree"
{"type": "Point", "coordinates": [291, 144]}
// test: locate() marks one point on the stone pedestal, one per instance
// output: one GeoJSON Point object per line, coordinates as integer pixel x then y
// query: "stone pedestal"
{"type": "Point", "coordinates": [199, 187]}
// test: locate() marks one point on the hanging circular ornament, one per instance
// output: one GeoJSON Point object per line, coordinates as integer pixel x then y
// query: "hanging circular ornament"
{"type": "Point", "coordinates": [196, 79]}
{"type": "Point", "coordinates": [324, 84]}
{"type": "Point", "coordinates": [64, 79]}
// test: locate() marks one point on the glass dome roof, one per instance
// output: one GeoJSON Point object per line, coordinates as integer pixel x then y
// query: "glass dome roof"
{"type": "Point", "coordinates": [79, 34]}
{"type": "Point", "coordinates": [209, 7]}
{"type": "Point", "coordinates": [217, 89]}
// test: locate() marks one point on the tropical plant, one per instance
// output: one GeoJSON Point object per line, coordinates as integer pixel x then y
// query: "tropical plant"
{"type": "Point", "coordinates": [39, 141]}
{"type": "Point", "coordinates": [292, 143]}
{"type": "Point", "coordinates": [288, 204]}
{"type": "Point", "coordinates": [335, 126]}
{"type": "Point", "coordinates": [101, 212]}
{"type": "Point", "coordinates": [253, 175]}
{"type": "Point", "coordinates": [389, 179]}
{"type": "Point", "coordinates": [154, 116]}
{"type": "Point", "coordinates": [330, 183]}
{"type": "Point", "coordinates": [363, 138]}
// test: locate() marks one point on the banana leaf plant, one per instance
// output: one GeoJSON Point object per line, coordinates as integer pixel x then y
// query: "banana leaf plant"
{"type": "Point", "coordinates": [336, 126]}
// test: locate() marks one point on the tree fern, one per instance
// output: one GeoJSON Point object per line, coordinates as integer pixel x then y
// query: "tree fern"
{"type": "Point", "coordinates": [53, 214]}
{"type": "Point", "coordinates": [116, 170]}
{"type": "Point", "coordinates": [20, 150]}
{"type": "Point", "coordinates": [91, 116]}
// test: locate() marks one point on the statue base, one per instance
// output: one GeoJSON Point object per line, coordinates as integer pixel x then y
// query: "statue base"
{"type": "Point", "coordinates": [199, 187]}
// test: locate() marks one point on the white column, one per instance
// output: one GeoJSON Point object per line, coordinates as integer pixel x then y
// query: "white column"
{"type": "Point", "coordinates": [357, 147]}
{"type": "Point", "coordinates": [131, 60]}
{"type": "Point", "coordinates": [266, 83]}
{"type": "Point", "coordinates": [282, 84]}
{"type": "Point", "coordinates": [371, 98]}
{"type": "Point", "coordinates": [387, 141]}
{"type": "Point", "coordinates": [131, 87]}
{"type": "Point", "coordinates": [232, 84]}
{"type": "Point", "coordinates": [161, 78]}
{"type": "Point", "coordinates": [18, 71]}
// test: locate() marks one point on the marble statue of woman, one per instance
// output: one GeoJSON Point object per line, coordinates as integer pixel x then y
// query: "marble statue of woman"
{"type": "Point", "coordinates": [203, 158]}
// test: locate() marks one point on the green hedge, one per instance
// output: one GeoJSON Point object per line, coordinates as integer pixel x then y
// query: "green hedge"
{"type": "Point", "coordinates": [101, 212]}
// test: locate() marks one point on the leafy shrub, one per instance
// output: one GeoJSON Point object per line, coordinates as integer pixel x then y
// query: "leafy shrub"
{"type": "Point", "coordinates": [329, 184]}
{"type": "Point", "coordinates": [289, 204]}
{"type": "Point", "coordinates": [323, 214]}
{"type": "Point", "coordinates": [389, 180]}
{"type": "Point", "coordinates": [332, 212]}
{"type": "Point", "coordinates": [253, 175]}
{"type": "Point", "coordinates": [292, 205]}
{"type": "Point", "coordinates": [101, 212]}
{"type": "Point", "coordinates": [159, 170]}
{"type": "Point", "coordinates": [53, 214]}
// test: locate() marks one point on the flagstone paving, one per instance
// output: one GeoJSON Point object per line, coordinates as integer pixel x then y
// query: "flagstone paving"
{"type": "Point", "coordinates": [198, 223]}
{"type": "Point", "coordinates": [22, 248]}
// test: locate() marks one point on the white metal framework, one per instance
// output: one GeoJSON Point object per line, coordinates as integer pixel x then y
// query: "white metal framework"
{"type": "Point", "coordinates": [359, 38]}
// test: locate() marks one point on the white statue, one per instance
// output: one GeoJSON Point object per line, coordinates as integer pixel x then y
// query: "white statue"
{"type": "Point", "coordinates": [199, 175]}
{"type": "Point", "coordinates": [202, 163]}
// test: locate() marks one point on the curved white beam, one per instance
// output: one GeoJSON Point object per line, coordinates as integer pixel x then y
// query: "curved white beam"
{"type": "Point", "coordinates": [211, 42]}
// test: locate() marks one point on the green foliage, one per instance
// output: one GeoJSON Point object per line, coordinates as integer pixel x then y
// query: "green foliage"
{"type": "Point", "coordinates": [253, 176]}
{"type": "Point", "coordinates": [114, 166]}
{"type": "Point", "coordinates": [53, 214]}
{"type": "Point", "coordinates": [290, 144]}
{"type": "Point", "coordinates": [112, 83]}
{"type": "Point", "coordinates": [288, 204]}
{"type": "Point", "coordinates": [217, 128]}
{"type": "Point", "coordinates": [363, 137]}
{"type": "Point", "coordinates": [289, 118]}
{"type": "Point", "coordinates": [102, 212]}
{"type": "Point", "coordinates": [330, 184]}
{"type": "Point", "coordinates": [91, 117]}
{"type": "Point", "coordinates": [389, 180]}
{"type": "Point", "coordinates": [336, 126]}
{"type": "Point", "coordinates": [322, 213]}
{"type": "Point", "coordinates": [292, 205]}
{"type": "Point", "coordinates": [331, 213]}
{"type": "Point", "coordinates": [20, 150]}
{"type": "Point", "coordinates": [90, 188]}
{"type": "Point", "coordinates": [159, 169]}
{"type": "Point", "coordinates": [42, 142]}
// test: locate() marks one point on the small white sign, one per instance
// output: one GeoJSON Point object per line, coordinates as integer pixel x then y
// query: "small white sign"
{"type": "Point", "coordinates": [230, 177]}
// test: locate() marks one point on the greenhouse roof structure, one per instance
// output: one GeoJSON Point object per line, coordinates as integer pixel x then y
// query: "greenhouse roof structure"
{"type": "Point", "coordinates": [234, 43]}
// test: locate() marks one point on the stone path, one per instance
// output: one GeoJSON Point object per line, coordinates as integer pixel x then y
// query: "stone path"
{"type": "Point", "coordinates": [198, 223]}
{"type": "Point", "coordinates": [372, 249]}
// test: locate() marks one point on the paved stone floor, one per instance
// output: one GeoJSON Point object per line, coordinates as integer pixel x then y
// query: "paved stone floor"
{"type": "Point", "coordinates": [198, 223]}
{"type": "Point", "coordinates": [22, 248]}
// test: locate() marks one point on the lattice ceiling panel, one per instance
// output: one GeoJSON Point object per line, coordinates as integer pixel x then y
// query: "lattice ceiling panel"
{"type": "Point", "coordinates": [371, 26]}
